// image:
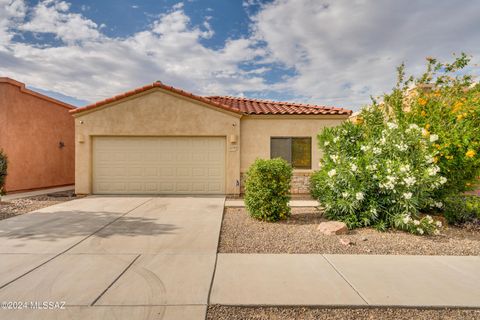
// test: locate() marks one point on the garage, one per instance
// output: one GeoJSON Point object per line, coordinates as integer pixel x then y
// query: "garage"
{"type": "Point", "coordinates": [158, 165]}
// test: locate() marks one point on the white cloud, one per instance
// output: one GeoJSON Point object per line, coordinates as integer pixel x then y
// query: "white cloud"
{"type": "Point", "coordinates": [52, 16]}
{"type": "Point", "coordinates": [343, 51]}
{"type": "Point", "coordinates": [91, 66]}
{"type": "Point", "coordinates": [339, 52]}
{"type": "Point", "coordinates": [11, 11]}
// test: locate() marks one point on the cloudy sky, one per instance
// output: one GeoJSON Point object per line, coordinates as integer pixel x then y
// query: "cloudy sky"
{"type": "Point", "coordinates": [325, 52]}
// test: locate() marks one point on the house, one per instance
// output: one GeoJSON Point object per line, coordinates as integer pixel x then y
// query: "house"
{"type": "Point", "coordinates": [161, 140]}
{"type": "Point", "coordinates": [37, 134]}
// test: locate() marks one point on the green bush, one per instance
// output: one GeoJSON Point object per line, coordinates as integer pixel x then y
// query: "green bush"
{"type": "Point", "coordinates": [463, 208]}
{"type": "Point", "coordinates": [3, 171]}
{"type": "Point", "coordinates": [267, 189]}
{"type": "Point", "coordinates": [379, 172]}
{"type": "Point", "coordinates": [450, 110]}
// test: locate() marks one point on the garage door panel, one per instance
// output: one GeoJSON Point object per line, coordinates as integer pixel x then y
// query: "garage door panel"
{"type": "Point", "coordinates": [136, 165]}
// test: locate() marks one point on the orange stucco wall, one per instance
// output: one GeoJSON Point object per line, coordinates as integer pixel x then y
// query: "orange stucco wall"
{"type": "Point", "coordinates": [31, 128]}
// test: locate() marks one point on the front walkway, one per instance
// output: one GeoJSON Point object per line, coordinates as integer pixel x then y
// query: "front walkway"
{"type": "Point", "coordinates": [346, 280]}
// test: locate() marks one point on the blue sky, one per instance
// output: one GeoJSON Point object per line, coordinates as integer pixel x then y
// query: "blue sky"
{"type": "Point", "coordinates": [323, 52]}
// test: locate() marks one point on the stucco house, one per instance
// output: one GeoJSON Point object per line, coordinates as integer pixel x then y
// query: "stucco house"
{"type": "Point", "coordinates": [161, 140]}
{"type": "Point", "coordinates": [37, 134]}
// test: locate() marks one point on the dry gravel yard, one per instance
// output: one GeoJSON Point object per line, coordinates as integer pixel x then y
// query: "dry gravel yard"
{"type": "Point", "coordinates": [283, 313]}
{"type": "Point", "coordinates": [242, 234]}
{"type": "Point", "coordinates": [19, 206]}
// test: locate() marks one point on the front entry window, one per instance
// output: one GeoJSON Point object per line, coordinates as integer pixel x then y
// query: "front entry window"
{"type": "Point", "coordinates": [295, 150]}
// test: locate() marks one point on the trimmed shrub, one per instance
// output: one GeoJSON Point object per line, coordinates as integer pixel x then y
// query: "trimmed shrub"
{"type": "Point", "coordinates": [267, 189]}
{"type": "Point", "coordinates": [3, 171]}
{"type": "Point", "coordinates": [461, 209]}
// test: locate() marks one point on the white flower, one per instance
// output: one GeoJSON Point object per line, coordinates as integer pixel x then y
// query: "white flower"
{"type": "Point", "coordinates": [332, 172]}
{"type": "Point", "coordinates": [372, 167]}
{"type": "Point", "coordinates": [413, 126]}
{"type": "Point", "coordinates": [433, 138]}
{"type": "Point", "coordinates": [383, 141]}
{"type": "Point", "coordinates": [392, 125]}
{"type": "Point", "coordinates": [433, 170]}
{"type": "Point", "coordinates": [345, 194]}
{"type": "Point", "coordinates": [407, 219]}
{"type": "Point", "coordinates": [364, 148]}
{"type": "Point", "coordinates": [409, 181]}
{"type": "Point", "coordinates": [429, 218]}
{"type": "Point", "coordinates": [359, 196]}
{"type": "Point", "coordinates": [416, 222]}
{"type": "Point", "coordinates": [402, 147]}
{"type": "Point", "coordinates": [335, 139]}
{"type": "Point", "coordinates": [424, 132]}
{"type": "Point", "coordinates": [354, 167]}
{"type": "Point", "coordinates": [420, 230]}
{"type": "Point", "coordinates": [405, 168]}
{"type": "Point", "coordinates": [443, 180]}
{"type": "Point", "coordinates": [438, 204]}
{"type": "Point", "coordinates": [326, 143]}
{"type": "Point", "coordinates": [438, 224]}
{"type": "Point", "coordinates": [429, 159]}
{"type": "Point", "coordinates": [377, 150]}
{"type": "Point", "coordinates": [334, 158]}
{"type": "Point", "coordinates": [436, 232]}
{"type": "Point", "coordinates": [407, 195]}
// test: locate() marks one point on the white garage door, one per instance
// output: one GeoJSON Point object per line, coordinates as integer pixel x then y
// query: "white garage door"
{"type": "Point", "coordinates": [158, 165]}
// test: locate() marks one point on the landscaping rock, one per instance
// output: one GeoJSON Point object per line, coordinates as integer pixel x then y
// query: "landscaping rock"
{"type": "Point", "coordinates": [332, 228]}
{"type": "Point", "coordinates": [347, 242]}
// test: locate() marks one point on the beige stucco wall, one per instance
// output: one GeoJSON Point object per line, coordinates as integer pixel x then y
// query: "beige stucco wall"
{"type": "Point", "coordinates": [257, 130]}
{"type": "Point", "coordinates": [155, 113]}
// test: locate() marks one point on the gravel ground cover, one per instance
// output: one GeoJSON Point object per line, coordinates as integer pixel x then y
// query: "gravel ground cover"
{"type": "Point", "coordinates": [19, 206]}
{"type": "Point", "coordinates": [284, 313]}
{"type": "Point", "coordinates": [242, 234]}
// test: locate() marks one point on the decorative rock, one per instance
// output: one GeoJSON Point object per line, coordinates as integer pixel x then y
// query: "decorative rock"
{"type": "Point", "coordinates": [332, 227]}
{"type": "Point", "coordinates": [347, 242]}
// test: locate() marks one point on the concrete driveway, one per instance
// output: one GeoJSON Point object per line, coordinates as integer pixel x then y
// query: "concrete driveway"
{"type": "Point", "coordinates": [98, 255]}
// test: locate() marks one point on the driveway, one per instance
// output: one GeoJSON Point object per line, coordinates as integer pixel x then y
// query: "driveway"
{"type": "Point", "coordinates": [98, 255]}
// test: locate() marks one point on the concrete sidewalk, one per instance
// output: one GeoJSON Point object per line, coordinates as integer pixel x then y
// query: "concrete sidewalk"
{"type": "Point", "coordinates": [346, 280]}
{"type": "Point", "coordinates": [238, 203]}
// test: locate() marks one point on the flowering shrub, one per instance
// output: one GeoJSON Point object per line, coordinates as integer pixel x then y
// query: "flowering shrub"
{"type": "Point", "coordinates": [377, 172]}
{"type": "Point", "coordinates": [450, 108]}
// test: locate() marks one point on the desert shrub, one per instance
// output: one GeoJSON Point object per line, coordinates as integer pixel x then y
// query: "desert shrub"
{"type": "Point", "coordinates": [377, 172]}
{"type": "Point", "coordinates": [3, 171]}
{"type": "Point", "coordinates": [267, 189]}
{"type": "Point", "coordinates": [462, 208]}
{"type": "Point", "coordinates": [450, 108]}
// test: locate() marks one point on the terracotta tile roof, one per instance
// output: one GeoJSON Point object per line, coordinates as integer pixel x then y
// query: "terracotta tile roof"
{"type": "Point", "coordinates": [22, 88]}
{"type": "Point", "coordinates": [157, 84]}
{"type": "Point", "coordinates": [232, 104]}
{"type": "Point", "coordinates": [257, 107]}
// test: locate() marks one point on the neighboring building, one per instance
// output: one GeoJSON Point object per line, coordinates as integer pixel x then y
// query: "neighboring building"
{"type": "Point", "coordinates": [37, 134]}
{"type": "Point", "coordinates": [162, 140]}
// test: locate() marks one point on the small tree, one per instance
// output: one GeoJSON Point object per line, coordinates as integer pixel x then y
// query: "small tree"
{"type": "Point", "coordinates": [3, 172]}
{"type": "Point", "coordinates": [267, 189]}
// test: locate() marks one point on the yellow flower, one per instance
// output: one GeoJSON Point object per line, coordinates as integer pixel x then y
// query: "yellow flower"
{"type": "Point", "coordinates": [422, 101]}
{"type": "Point", "coordinates": [449, 157]}
{"type": "Point", "coordinates": [435, 159]}
{"type": "Point", "coordinates": [460, 117]}
{"type": "Point", "coordinates": [427, 126]}
{"type": "Point", "coordinates": [457, 106]}
{"type": "Point", "coordinates": [470, 153]}
{"type": "Point", "coordinates": [423, 113]}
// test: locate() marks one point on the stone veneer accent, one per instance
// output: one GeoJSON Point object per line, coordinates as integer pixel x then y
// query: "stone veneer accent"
{"type": "Point", "coordinates": [300, 182]}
